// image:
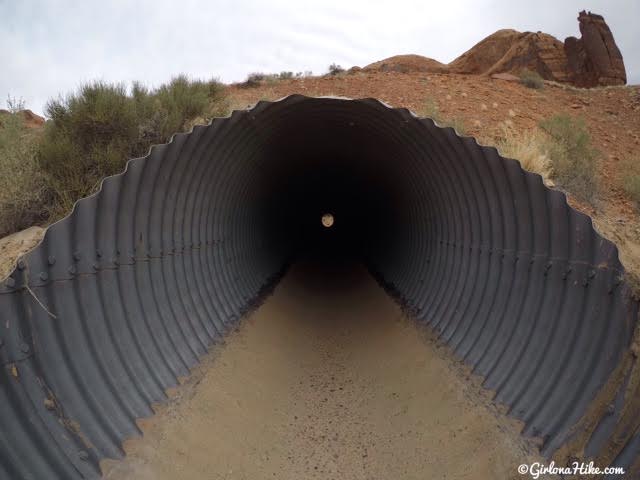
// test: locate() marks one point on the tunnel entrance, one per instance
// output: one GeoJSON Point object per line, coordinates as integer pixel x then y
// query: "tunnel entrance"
{"type": "Point", "coordinates": [148, 273]}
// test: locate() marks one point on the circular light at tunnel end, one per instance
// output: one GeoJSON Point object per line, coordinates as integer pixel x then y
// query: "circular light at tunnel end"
{"type": "Point", "coordinates": [327, 220]}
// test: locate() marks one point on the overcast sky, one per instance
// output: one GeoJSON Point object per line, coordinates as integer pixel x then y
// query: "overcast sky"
{"type": "Point", "coordinates": [48, 47]}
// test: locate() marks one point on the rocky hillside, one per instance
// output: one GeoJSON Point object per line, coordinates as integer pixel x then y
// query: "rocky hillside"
{"type": "Point", "coordinates": [590, 61]}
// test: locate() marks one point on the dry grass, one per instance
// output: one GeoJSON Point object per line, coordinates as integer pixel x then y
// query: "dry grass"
{"type": "Point", "coordinates": [629, 175]}
{"type": "Point", "coordinates": [530, 148]}
{"type": "Point", "coordinates": [431, 110]}
{"type": "Point", "coordinates": [559, 150]}
{"type": "Point", "coordinates": [573, 159]}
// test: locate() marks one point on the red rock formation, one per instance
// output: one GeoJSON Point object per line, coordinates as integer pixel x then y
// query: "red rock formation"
{"type": "Point", "coordinates": [591, 61]}
{"type": "Point", "coordinates": [594, 59]}
{"type": "Point", "coordinates": [31, 120]}
{"type": "Point", "coordinates": [510, 51]}
{"type": "Point", "coordinates": [406, 64]}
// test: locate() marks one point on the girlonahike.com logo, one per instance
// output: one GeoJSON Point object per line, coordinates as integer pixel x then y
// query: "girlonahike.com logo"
{"type": "Point", "coordinates": [537, 469]}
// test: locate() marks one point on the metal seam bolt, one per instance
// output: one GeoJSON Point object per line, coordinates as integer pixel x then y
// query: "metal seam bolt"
{"type": "Point", "coordinates": [590, 275]}
{"type": "Point", "coordinates": [618, 279]}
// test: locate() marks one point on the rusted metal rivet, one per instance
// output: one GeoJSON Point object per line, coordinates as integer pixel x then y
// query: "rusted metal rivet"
{"type": "Point", "coordinates": [21, 265]}
{"type": "Point", "coordinates": [96, 266]}
{"type": "Point", "coordinates": [611, 409]}
{"type": "Point", "coordinates": [24, 348]}
{"type": "Point", "coordinates": [72, 270]}
{"type": "Point", "coordinates": [98, 253]}
{"type": "Point", "coordinates": [83, 455]}
{"type": "Point", "coordinates": [52, 260]}
{"type": "Point", "coordinates": [77, 256]}
{"type": "Point", "coordinates": [44, 276]}
{"type": "Point", "coordinates": [10, 282]}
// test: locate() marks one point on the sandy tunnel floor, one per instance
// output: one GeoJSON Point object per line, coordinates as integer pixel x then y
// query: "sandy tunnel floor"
{"type": "Point", "coordinates": [326, 380]}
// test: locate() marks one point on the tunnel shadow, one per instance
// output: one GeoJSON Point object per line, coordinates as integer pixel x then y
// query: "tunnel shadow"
{"type": "Point", "coordinates": [328, 278]}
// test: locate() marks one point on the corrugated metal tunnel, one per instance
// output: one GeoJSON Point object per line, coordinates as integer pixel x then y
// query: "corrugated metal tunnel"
{"type": "Point", "coordinates": [126, 293]}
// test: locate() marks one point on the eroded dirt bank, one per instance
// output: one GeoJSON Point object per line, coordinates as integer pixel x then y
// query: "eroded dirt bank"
{"type": "Point", "coordinates": [327, 379]}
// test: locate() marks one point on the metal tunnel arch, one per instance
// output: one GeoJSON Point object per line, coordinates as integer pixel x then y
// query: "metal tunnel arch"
{"type": "Point", "coordinates": [127, 292]}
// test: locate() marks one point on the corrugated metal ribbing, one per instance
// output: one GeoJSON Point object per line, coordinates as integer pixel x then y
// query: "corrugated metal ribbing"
{"type": "Point", "coordinates": [126, 293]}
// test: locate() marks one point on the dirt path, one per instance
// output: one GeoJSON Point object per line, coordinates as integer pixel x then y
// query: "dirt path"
{"type": "Point", "coordinates": [325, 380]}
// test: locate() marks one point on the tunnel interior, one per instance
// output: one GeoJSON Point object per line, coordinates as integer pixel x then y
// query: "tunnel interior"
{"type": "Point", "coordinates": [313, 166]}
{"type": "Point", "coordinates": [157, 266]}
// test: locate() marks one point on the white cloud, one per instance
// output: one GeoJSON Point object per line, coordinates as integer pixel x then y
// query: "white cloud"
{"type": "Point", "coordinates": [50, 46]}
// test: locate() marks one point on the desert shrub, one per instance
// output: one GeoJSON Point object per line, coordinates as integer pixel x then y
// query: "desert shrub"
{"type": "Point", "coordinates": [22, 188]}
{"type": "Point", "coordinates": [335, 69]}
{"type": "Point", "coordinates": [93, 132]}
{"type": "Point", "coordinates": [531, 79]}
{"type": "Point", "coordinates": [15, 104]}
{"type": "Point", "coordinates": [629, 174]}
{"type": "Point", "coordinates": [254, 79]}
{"type": "Point", "coordinates": [573, 158]}
{"type": "Point", "coordinates": [285, 75]}
{"type": "Point", "coordinates": [530, 148]}
{"type": "Point", "coordinates": [89, 137]}
{"type": "Point", "coordinates": [272, 79]}
{"type": "Point", "coordinates": [182, 99]}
